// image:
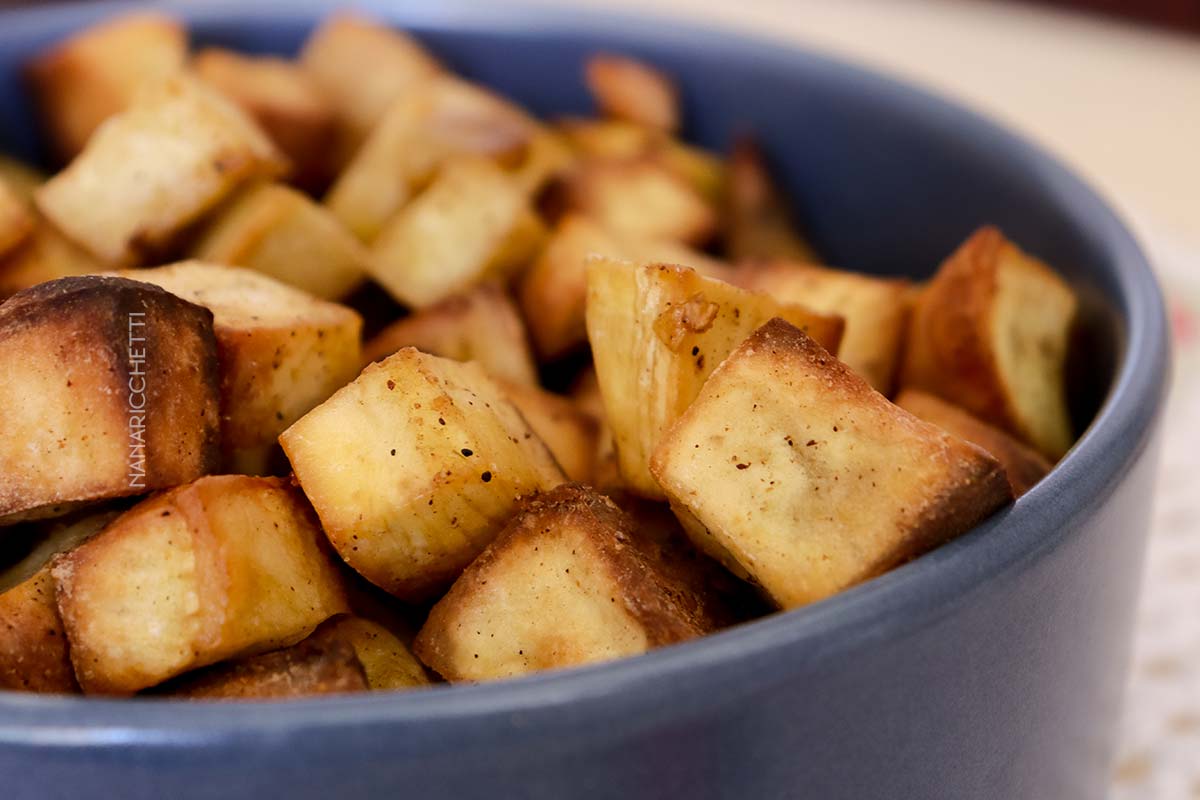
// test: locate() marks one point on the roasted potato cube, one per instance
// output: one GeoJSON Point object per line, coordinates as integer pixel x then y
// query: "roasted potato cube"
{"type": "Point", "coordinates": [33, 644]}
{"type": "Point", "coordinates": [445, 117]}
{"type": "Point", "coordinates": [308, 669]}
{"type": "Point", "coordinates": [757, 220]}
{"type": "Point", "coordinates": [22, 180]}
{"type": "Point", "coordinates": [633, 90]}
{"type": "Point", "coordinates": [565, 584]}
{"type": "Point", "coordinates": [283, 99]}
{"type": "Point", "coordinates": [553, 291]}
{"type": "Point", "coordinates": [481, 325]}
{"type": "Point", "coordinates": [385, 659]}
{"type": "Point", "coordinates": [414, 467]}
{"type": "Point", "coordinates": [86, 79]}
{"type": "Point", "coordinates": [1023, 465]}
{"type": "Point", "coordinates": [109, 389]}
{"type": "Point", "coordinates": [281, 352]}
{"type": "Point", "coordinates": [547, 157]}
{"type": "Point", "coordinates": [990, 333]}
{"type": "Point", "coordinates": [45, 255]}
{"type": "Point", "coordinates": [224, 567]}
{"type": "Point", "coordinates": [280, 232]}
{"type": "Point", "coordinates": [569, 431]}
{"type": "Point", "coordinates": [875, 310]}
{"type": "Point", "coordinates": [362, 66]}
{"type": "Point", "coordinates": [657, 333]}
{"type": "Point", "coordinates": [641, 198]}
{"type": "Point", "coordinates": [154, 168]}
{"type": "Point", "coordinates": [16, 221]}
{"type": "Point", "coordinates": [811, 480]}
{"type": "Point", "coordinates": [448, 237]}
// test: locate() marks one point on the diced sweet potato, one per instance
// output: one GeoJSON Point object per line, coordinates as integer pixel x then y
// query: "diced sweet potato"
{"type": "Point", "coordinates": [657, 332]}
{"type": "Point", "coordinates": [284, 100]}
{"type": "Point", "coordinates": [33, 644]}
{"type": "Point", "coordinates": [386, 661]}
{"type": "Point", "coordinates": [362, 66]}
{"type": "Point", "coordinates": [109, 389]}
{"type": "Point", "coordinates": [640, 198]}
{"type": "Point", "coordinates": [565, 584]}
{"type": "Point", "coordinates": [447, 239]}
{"type": "Point", "coordinates": [308, 669]}
{"type": "Point", "coordinates": [1023, 465]}
{"type": "Point", "coordinates": [553, 291]}
{"type": "Point", "coordinates": [414, 467]}
{"type": "Point", "coordinates": [629, 89]}
{"type": "Point", "coordinates": [281, 232]}
{"type": "Point", "coordinates": [875, 310]}
{"type": "Point", "coordinates": [570, 432]}
{"type": "Point", "coordinates": [225, 567]}
{"type": "Point", "coordinates": [757, 220]}
{"type": "Point", "coordinates": [89, 77]}
{"type": "Point", "coordinates": [16, 221]}
{"type": "Point", "coordinates": [810, 480]}
{"type": "Point", "coordinates": [443, 118]}
{"type": "Point", "coordinates": [281, 352]}
{"type": "Point", "coordinates": [481, 325]}
{"type": "Point", "coordinates": [990, 333]}
{"type": "Point", "coordinates": [154, 168]}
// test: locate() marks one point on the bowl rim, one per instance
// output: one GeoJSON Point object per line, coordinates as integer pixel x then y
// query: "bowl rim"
{"type": "Point", "coordinates": [781, 645]}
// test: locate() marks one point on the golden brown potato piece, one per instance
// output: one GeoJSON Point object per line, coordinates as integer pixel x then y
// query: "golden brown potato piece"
{"type": "Point", "coordinates": [605, 473]}
{"type": "Point", "coordinates": [810, 480]}
{"type": "Point", "coordinates": [553, 291]}
{"type": "Point", "coordinates": [224, 567]}
{"type": "Point", "coordinates": [281, 232]}
{"type": "Point", "coordinates": [33, 644]}
{"type": "Point", "coordinates": [657, 333]}
{"type": "Point", "coordinates": [448, 238]}
{"type": "Point", "coordinates": [84, 80]}
{"type": "Point", "coordinates": [444, 117]}
{"type": "Point", "coordinates": [640, 198]}
{"type": "Point", "coordinates": [565, 584]}
{"type": "Point", "coordinates": [632, 90]}
{"type": "Point", "coordinates": [385, 659]}
{"type": "Point", "coordinates": [362, 66]}
{"type": "Point", "coordinates": [481, 325]}
{"type": "Point", "coordinates": [22, 180]}
{"type": "Point", "coordinates": [990, 333]}
{"type": "Point", "coordinates": [547, 157]}
{"type": "Point", "coordinates": [154, 168]}
{"type": "Point", "coordinates": [610, 139]}
{"type": "Point", "coordinates": [283, 99]}
{"type": "Point", "coordinates": [1023, 465]}
{"type": "Point", "coordinates": [757, 220]}
{"type": "Point", "coordinates": [45, 255]}
{"type": "Point", "coordinates": [569, 431]}
{"type": "Point", "coordinates": [875, 310]}
{"type": "Point", "coordinates": [414, 467]}
{"type": "Point", "coordinates": [109, 389]}
{"type": "Point", "coordinates": [16, 221]}
{"type": "Point", "coordinates": [281, 352]}
{"type": "Point", "coordinates": [308, 669]}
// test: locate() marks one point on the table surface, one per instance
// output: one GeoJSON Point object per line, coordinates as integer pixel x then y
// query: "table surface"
{"type": "Point", "coordinates": [1121, 104]}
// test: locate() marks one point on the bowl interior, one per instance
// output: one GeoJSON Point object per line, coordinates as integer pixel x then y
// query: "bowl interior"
{"type": "Point", "coordinates": [886, 178]}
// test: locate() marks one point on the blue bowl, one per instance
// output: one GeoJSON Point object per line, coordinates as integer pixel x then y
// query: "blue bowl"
{"type": "Point", "coordinates": [993, 667]}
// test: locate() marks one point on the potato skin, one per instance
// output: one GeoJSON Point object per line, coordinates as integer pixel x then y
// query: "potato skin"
{"type": "Point", "coordinates": [507, 615]}
{"type": "Point", "coordinates": [68, 378]}
{"type": "Point", "coordinates": [224, 567]}
{"type": "Point", "coordinates": [808, 479]}
{"type": "Point", "coordinates": [308, 669]}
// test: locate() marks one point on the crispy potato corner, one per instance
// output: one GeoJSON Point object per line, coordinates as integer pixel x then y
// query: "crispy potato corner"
{"type": "Point", "coordinates": [810, 480]}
